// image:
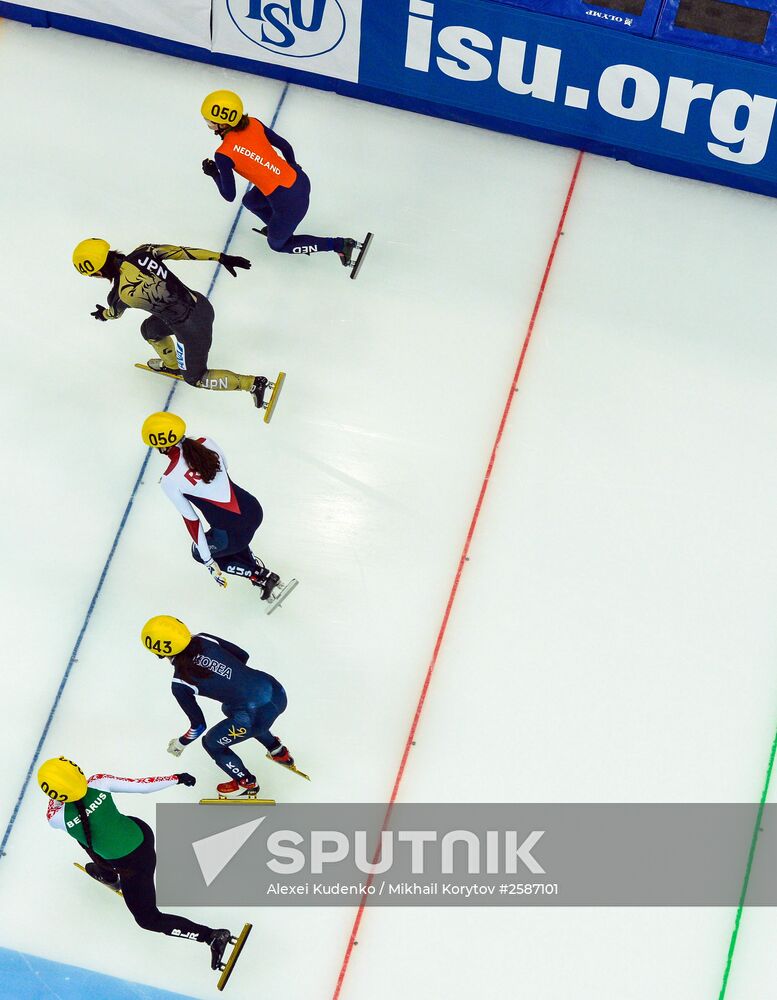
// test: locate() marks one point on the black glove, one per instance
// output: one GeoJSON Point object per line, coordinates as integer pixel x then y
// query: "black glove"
{"type": "Point", "coordinates": [98, 313]}
{"type": "Point", "coordinates": [209, 167]}
{"type": "Point", "coordinates": [230, 263]}
{"type": "Point", "coordinates": [187, 779]}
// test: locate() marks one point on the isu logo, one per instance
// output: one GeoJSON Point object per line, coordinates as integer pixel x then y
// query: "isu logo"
{"type": "Point", "coordinates": [300, 29]}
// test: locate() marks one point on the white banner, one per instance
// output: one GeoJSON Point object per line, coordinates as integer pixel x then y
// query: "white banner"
{"type": "Point", "coordinates": [185, 21]}
{"type": "Point", "coordinates": [315, 36]}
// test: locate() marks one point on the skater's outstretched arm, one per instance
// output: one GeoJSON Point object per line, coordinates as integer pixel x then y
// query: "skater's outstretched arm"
{"type": "Point", "coordinates": [169, 251]}
{"type": "Point", "coordinates": [113, 783]}
{"type": "Point", "coordinates": [282, 145]}
{"type": "Point", "coordinates": [55, 813]}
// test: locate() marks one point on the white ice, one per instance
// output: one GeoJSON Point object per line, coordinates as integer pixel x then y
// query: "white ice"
{"type": "Point", "coordinates": [613, 637]}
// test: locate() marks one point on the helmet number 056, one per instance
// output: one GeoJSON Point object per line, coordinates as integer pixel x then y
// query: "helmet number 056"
{"type": "Point", "coordinates": [162, 438]}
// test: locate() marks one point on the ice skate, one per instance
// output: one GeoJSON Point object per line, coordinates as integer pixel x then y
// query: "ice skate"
{"type": "Point", "coordinates": [238, 793]}
{"type": "Point", "coordinates": [346, 254]}
{"type": "Point", "coordinates": [266, 582]}
{"type": "Point", "coordinates": [246, 787]}
{"type": "Point", "coordinates": [218, 945]}
{"type": "Point", "coordinates": [262, 231]}
{"type": "Point", "coordinates": [93, 871]}
{"type": "Point", "coordinates": [349, 257]}
{"type": "Point", "coordinates": [237, 946]}
{"type": "Point", "coordinates": [259, 391]}
{"type": "Point", "coordinates": [271, 588]}
{"type": "Point", "coordinates": [155, 364]}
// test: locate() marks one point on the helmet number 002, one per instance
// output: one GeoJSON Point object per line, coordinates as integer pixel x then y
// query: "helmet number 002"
{"type": "Point", "coordinates": [226, 114]}
{"type": "Point", "coordinates": [52, 792]}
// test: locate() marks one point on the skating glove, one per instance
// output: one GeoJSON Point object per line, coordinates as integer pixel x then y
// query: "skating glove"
{"type": "Point", "coordinates": [99, 313]}
{"type": "Point", "coordinates": [209, 167]}
{"type": "Point", "coordinates": [213, 568]}
{"type": "Point", "coordinates": [175, 747]}
{"type": "Point", "coordinates": [187, 779]}
{"type": "Point", "coordinates": [230, 263]}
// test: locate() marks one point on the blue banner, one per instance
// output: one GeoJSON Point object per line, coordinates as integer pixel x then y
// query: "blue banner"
{"type": "Point", "coordinates": [618, 91]}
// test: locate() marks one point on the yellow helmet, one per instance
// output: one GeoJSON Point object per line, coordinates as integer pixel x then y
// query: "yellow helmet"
{"type": "Point", "coordinates": [90, 255]}
{"type": "Point", "coordinates": [222, 107]}
{"type": "Point", "coordinates": [162, 430]}
{"type": "Point", "coordinates": [62, 780]}
{"type": "Point", "coordinates": [165, 635]}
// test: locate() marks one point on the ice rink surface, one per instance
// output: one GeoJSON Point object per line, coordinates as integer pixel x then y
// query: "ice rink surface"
{"type": "Point", "coordinates": [612, 637]}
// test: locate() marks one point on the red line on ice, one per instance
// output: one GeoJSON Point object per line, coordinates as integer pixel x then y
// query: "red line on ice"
{"type": "Point", "coordinates": [463, 557]}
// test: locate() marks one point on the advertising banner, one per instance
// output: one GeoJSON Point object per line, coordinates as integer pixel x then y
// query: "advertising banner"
{"type": "Point", "coordinates": [186, 21]}
{"type": "Point", "coordinates": [619, 90]}
{"type": "Point", "coordinates": [312, 36]}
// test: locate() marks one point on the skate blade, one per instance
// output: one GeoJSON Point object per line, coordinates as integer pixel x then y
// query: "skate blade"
{"type": "Point", "coordinates": [226, 969]}
{"type": "Point", "coordinates": [277, 385]}
{"type": "Point", "coordinates": [276, 602]}
{"type": "Point", "coordinates": [243, 801]}
{"type": "Point", "coordinates": [288, 767]}
{"type": "Point", "coordinates": [153, 371]}
{"type": "Point", "coordinates": [82, 869]}
{"type": "Point", "coordinates": [362, 254]}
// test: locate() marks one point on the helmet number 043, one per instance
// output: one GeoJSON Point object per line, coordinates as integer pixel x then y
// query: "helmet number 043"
{"type": "Point", "coordinates": [160, 646]}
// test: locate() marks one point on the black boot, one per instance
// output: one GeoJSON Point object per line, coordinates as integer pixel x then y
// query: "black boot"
{"type": "Point", "coordinates": [258, 389]}
{"type": "Point", "coordinates": [99, 874]}
{"type": "Point", "coordinates": [262, 231]}
{"type": "Point", "coordinates": [267, 585]}
{"type": "Point", "coordinates": [346, 254]}
{"type": "Point", "coordinates": [218, 945]}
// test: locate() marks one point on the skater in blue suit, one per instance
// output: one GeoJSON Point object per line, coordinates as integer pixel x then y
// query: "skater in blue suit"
{"type": "Point", "coordinates": [210, 667]}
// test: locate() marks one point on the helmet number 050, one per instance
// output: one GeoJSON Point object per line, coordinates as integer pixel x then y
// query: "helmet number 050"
{"type": "Point", "coordinates": [226, 114]}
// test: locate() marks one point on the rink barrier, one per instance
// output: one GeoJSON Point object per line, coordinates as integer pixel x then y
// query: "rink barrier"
{"type": "Point", "coordinates": [28, 977]}
{"type": "Point", "coordinates": [685, 111]}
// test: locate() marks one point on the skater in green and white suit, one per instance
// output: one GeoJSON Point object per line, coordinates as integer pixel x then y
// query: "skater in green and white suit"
{"type": "Point", "coordinates": [121, 847]}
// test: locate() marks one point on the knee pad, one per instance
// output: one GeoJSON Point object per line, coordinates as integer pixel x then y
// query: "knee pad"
{"type": "Point", "coordinates": [148, 331]}
{"type": "Point", "coordinates": [196, 553]}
